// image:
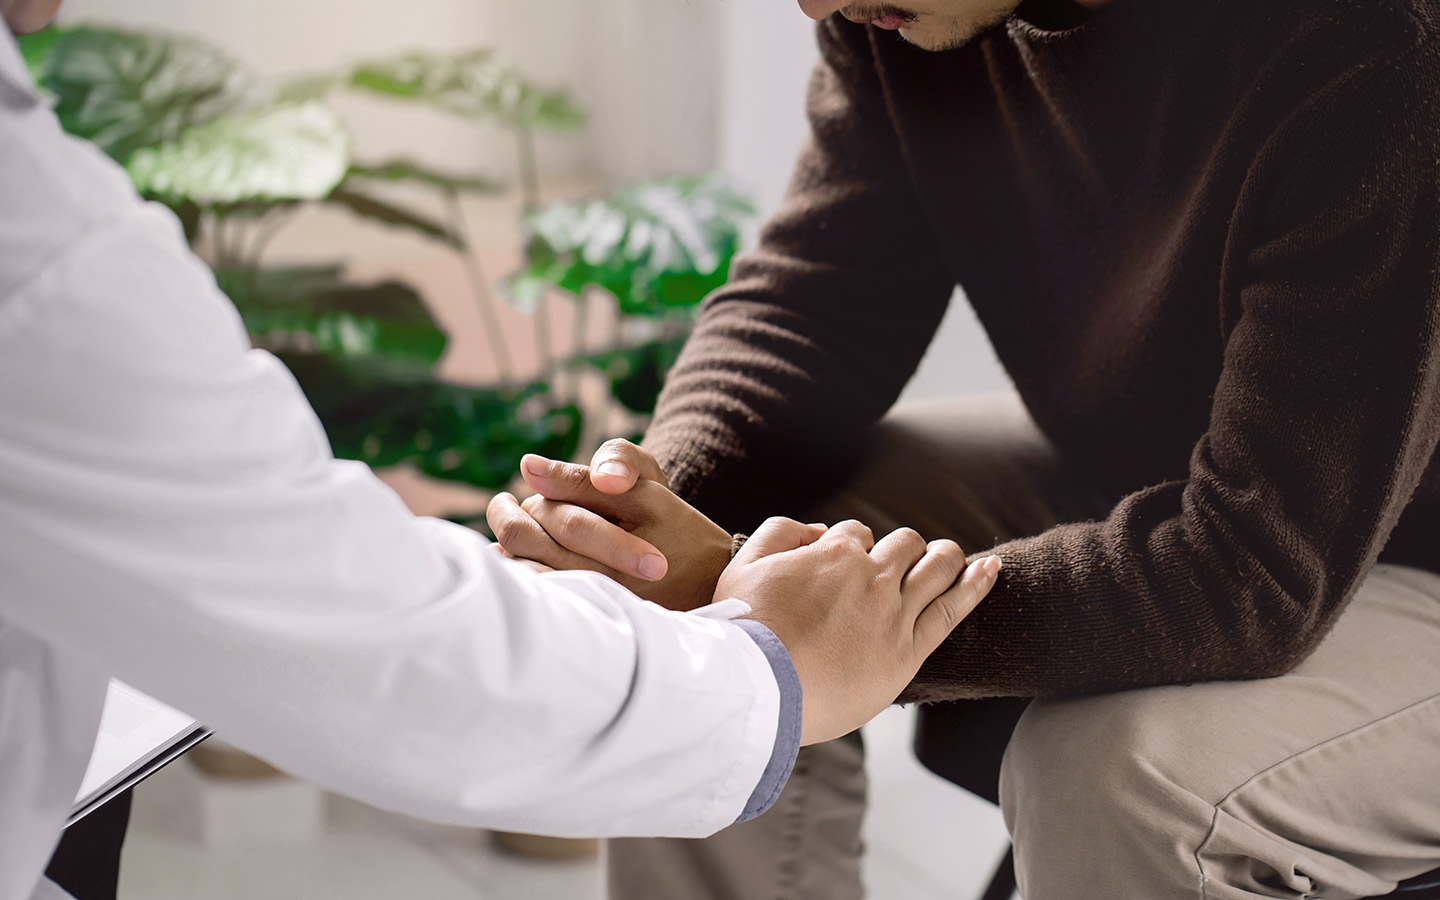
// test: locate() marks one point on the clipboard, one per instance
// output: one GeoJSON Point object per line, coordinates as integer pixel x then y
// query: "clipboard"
{"type": "Point", "coordinates": [138, 736]}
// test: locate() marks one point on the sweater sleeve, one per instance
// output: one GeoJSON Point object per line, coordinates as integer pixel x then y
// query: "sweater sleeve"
{"type": "Point", "coordinates": [821, 327]}
{"type": "Point", "coordinates": [1324, 419]}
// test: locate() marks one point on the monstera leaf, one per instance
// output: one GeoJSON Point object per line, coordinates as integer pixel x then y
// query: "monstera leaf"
{"type": "Point", "coordinates": [294, 152]}
{"type": "Point", "coordinates": [126, 90]}
{"type": "Point", "coordinates": [475, 84]}
{"type": "Point", "coordinates": [637, 373]}
{"type": "Point", "coordinates": [315, 310]}
{"type": "Point", "coordinates": [655, 246]}
{"type": "Point", "coordinates": [384, 416]}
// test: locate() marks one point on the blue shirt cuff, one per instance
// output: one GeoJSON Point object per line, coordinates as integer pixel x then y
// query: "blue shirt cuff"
{"type": "Point", "coordinates": [787, 734]}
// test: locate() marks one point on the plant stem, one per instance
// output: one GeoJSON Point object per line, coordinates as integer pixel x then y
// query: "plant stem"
{"type": "Point", "coordinates": [217, 241]}
{"type": "Point", "coordinates": [617, 334]}
{"type": "Point", "coordinates": [265, 233]}
{"type": "Point", "coordinates": [578, 339]}
{"type": "Point", "coordinates": [530, 202]}
{"type": "Point", "coordinates": [484, 297]}
{"type": "Point", "coordinates": [544, 343]}
{"type": "Point", "coordinates": [529, 170]}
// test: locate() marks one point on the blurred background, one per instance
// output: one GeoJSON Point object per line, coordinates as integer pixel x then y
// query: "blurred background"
{"type": "Point", "coordinates": [473, 230]}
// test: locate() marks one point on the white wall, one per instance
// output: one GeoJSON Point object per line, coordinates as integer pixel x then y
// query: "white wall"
{"type": "Point", "coordinates": [769, 51]}
{"type": "Point", "coordinates": [648, 71]}
{"type": "Point", "coordinates": [670, 85]}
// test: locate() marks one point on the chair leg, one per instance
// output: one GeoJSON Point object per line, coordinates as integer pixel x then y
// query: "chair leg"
{"type": "Point", "coordinates": [1002, 885]}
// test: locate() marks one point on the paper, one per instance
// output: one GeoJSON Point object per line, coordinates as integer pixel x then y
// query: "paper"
{"type": "Point", "coordinates": [138, 734]}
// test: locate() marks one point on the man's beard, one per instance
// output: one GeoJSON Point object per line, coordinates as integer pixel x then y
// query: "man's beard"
{"type": "Point", "coordinates": [967, 32]}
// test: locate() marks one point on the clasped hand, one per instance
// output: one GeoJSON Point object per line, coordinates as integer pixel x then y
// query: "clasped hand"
{"type": "Point", "coordinates": [858, 616]}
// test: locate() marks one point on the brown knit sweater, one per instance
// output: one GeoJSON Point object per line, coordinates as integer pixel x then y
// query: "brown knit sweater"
{"type": "Point", "coordinates": [1203, 236]}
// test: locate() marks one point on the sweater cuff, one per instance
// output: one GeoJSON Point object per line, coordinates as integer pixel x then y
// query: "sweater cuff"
{"type": "Point", "coordinates": [787, 731]}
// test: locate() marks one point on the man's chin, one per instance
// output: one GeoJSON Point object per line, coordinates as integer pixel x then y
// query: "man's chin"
{"type": "Point", "coordinates": [941, 38]}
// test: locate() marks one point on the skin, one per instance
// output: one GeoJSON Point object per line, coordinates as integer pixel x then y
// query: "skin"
{"type": "Point", "coordinates": [25, 16]}
{"type": "Point", "coordinates": [619, 535]}
{"type": "Point", "coordinates": [858, 616]}
{"type": "Point", "coordinates": [928, 24]}
{"type": "Point", "coordinates": [887, 606]}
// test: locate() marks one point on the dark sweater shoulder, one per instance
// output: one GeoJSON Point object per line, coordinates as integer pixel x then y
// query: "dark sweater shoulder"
{"type": "Point", "coordinates": [1316, 41]}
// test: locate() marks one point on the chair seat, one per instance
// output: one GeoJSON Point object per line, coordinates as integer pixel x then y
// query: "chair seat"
{"type": "Point", "coordinates": [1421, 887]}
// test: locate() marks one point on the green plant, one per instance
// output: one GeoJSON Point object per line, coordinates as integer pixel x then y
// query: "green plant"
{"type": "Point", "coordinates": [236, 159]}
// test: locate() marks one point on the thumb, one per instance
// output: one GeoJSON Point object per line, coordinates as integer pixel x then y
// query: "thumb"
{"type": "Point", "coordinates": [566, 483]}
{"type": "Point", "coordinates": [778, 535]}
{"type": "Point", "coordinates": [618, 464]}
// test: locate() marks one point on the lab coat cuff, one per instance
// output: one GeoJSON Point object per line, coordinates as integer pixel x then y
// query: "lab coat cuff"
{"type": "Point", "coordinates": [787, 732]}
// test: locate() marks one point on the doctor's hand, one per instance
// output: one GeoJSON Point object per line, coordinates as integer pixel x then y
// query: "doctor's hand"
{"type": "Point", "coordinates": [646, 538]}
{"type": "Point", "coordinates": [857, 616]}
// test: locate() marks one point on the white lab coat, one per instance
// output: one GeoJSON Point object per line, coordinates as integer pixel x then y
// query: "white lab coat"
{"type": "Point", "coordinates": [171, 515]}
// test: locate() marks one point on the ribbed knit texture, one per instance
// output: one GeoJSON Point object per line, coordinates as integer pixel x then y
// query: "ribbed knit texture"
{"type": "Point", "coordinates": [1203, 236]}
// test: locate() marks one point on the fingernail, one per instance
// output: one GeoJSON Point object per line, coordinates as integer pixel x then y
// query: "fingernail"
{"type": "Point", "coordinates": [992, 566]}
{"type": "Point", "coordinates": [537, 465]}
{"type": "Point", "coordinates": [652, 567]}
{"type": "Point", "coordinates": [820, 525]}
{"type": "Point", "coordinates": [613, 467]}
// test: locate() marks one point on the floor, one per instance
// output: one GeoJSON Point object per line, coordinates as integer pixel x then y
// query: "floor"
{"type": "Point", "coordinates": [926, 840]}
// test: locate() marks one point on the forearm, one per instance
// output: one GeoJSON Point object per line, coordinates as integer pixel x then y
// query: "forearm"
{"type": "Point", "coordinates": [174, 513]}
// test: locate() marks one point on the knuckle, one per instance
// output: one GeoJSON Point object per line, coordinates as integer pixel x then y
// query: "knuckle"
{"type": "Point", "coordinates": [570, 526]}
{"type": "Point", "coordinates": [950, 613]}
{"type": "Point", "coordinates": [574, 476]}
{"type": "Point", "coordinates": [777, 522]}
{"type": "Point", "coordinates": [508, 531]}
{"type": "Point", "coordinates": [845, 549]}
{"type": "Point", "coordinates": [911, 537]}
{"type": "Point", "coordinates": [949, 552]}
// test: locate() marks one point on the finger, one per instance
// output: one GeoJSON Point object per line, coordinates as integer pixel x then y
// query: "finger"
{"type": "Point", "coordinates": [937, 620]}
{"type": "Point", "coordinates": [524, 538]}
{"type": "Point", "coordinates": [852, 530]}
{"type": "Point", "coordinates": [899, 551]}
{"type": "Point", "coordinates": [777, 535]}
{"type": "Point", "coordinates": [933, 575]}
{"type": "Point", "coordinates": [567, 482]}
{"type": "Point", "coordinates": [591, 535]}
{"type": "Point", "coordinates": [618, 464]}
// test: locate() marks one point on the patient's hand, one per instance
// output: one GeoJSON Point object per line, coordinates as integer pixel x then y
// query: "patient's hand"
{"type": "Point", "coordinates": [644, 536]}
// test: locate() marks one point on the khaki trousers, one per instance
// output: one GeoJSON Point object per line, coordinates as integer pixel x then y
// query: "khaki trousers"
{"type": "Point", "coordinates": [1324, 783]}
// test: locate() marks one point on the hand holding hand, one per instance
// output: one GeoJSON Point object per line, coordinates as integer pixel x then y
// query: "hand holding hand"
{"type": "Point", "coordinates": [644, 537]}
{"type": "Point", "coordinates": [858, 617]}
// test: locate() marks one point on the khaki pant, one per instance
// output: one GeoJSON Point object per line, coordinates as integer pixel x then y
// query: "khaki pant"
{"type": "Point", "coordinates": [1321, 783]}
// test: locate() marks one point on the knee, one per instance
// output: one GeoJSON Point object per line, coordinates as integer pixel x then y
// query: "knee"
{"type": "Point", "coordinates": [1091, 781]}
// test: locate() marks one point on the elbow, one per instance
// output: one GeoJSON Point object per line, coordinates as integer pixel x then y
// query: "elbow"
{"type": "Point", "coordinates": [1277, 634]}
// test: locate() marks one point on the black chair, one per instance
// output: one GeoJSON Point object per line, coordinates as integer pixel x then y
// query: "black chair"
{"type": "Point", "coordinates": [1422, 887]}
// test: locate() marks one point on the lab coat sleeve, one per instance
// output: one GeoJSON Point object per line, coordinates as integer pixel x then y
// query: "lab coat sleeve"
{"type": "Point", "coordinates": [169, 505]}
